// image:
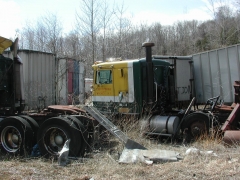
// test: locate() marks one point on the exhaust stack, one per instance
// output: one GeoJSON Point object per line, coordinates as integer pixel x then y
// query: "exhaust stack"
{"type": "Point", "coordinates": [150, 82]}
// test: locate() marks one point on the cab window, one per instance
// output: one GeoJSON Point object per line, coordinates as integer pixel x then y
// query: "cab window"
{"type": "Point", "coordinates": [104, 77]}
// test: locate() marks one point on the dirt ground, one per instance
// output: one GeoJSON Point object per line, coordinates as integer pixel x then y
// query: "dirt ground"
{"type": "Point", "coordinates": [102, 163]}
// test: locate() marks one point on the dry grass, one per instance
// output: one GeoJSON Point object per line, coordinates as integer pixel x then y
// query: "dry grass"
{"type": "Point", "coordinates": [102, 163]}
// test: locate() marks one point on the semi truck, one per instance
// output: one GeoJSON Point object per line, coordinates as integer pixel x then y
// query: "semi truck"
{"type": "Point", "coordinates": [145, 88]}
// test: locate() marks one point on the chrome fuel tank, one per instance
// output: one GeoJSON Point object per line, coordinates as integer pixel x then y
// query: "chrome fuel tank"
{"type": "Point", "coordinates": [164, 124]}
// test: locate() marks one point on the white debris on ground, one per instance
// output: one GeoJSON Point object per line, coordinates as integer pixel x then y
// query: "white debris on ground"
{"type": "Point", "coordinates": [192, 151]}
{"type": "Point", "coordinates": [63, 154]}
{"type": "Point", "coordinates": [148, 156]}
{"type": "Point", "coordinates": [233, 160]}
{"type": "Point", "coordinates": [195, 151]}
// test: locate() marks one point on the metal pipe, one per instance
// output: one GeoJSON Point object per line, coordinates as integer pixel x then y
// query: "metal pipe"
{"type": "Point", "coordinates": [15, 51]}
{"type": "Point", "coordinates": [149, 73]}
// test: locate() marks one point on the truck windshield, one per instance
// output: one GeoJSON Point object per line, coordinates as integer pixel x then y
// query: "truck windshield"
{"type": "Point", "coordinates": [104, 77]}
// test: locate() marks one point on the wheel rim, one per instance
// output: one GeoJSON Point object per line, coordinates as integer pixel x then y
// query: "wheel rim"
{"type": "Point", "coordinates": [11, 139]}
{"type": "Point", "coordinates": [54, 140]}
{"type": "Point", "coordinates": [197, 128]}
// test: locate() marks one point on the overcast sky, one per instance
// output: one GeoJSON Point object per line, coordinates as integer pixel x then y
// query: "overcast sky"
{"type": "Point", "coordinates": [15, 13]}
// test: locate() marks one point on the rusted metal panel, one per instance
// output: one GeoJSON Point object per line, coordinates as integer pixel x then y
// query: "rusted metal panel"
{"type": "Point", "coordinates": [231, 137]}
{"type": "Point", "coordinates": [233, 117]}
{"type": "Point", "coordinates": [70, 65]}
{"type": "Point", "coordinates": [70, 77]}
{"type": "Point", "coordinates": [65, 109]}
{"type": "Point", "coordinates": [76, 78]}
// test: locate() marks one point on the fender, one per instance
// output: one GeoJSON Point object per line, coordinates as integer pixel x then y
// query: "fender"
{"type": "Point", "coordinates": [193, 117]}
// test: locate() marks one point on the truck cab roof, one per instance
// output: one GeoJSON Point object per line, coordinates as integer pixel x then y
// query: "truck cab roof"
{"type": "Point", "coordinates": [4, 44]}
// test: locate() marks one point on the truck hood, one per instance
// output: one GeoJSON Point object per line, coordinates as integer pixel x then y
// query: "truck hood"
{"type": "Point", "coordinates": [4, 44]}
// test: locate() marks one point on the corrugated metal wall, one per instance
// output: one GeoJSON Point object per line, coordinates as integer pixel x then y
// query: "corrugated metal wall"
{"type": "Point", "coordinates": [215, 72]}
{"type": "Point", "coordinates": [39, 78]}
{"type": "Point", "coordinates": [76, 78]}
{"type": "Point", "coordinates": [62, 85]}
{"type": "Point", "coordinates": [49, 81]}
{"type": "Point", "coordinates": [71, 86]}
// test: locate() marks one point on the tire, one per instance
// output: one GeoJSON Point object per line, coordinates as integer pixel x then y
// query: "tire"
{"type": "Point", "coordinates": [89, 131]}
{"type": "Point", "coordinates": [16, 136]}
{"type": "Point", "coordinates": [84, 134]}
{"type": "Point", "coordinates": [195, 125]}
{"type": "Point", "coordinates": [34, 125]}
{"type": "Point", "coordinates": [54, 132]}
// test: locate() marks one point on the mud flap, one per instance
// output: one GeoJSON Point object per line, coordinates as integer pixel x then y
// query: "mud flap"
{"type": "Point", "coordinates": [130, 144]}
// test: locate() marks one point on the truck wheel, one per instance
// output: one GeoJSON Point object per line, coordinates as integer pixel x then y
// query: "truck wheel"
{"type": "Point", "coordinates": [34, 125]}
{"type": "Point", "coordinates": [195, 125]}
{"type": "Point", "coordinates": [84, 134]}
{"type": "Point", "coordinates": [16, 136]}
{"type": "Point", "coordinates": [54, 132]}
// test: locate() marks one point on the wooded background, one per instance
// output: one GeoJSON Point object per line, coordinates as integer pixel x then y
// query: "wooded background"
{"type": "Point", "coordinates": [102, 31]}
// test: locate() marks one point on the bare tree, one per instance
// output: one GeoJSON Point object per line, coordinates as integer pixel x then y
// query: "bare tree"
{"type": "Point", "coordinates": [106, 19]}
{"type": "Point", "coordinates": [53, 27]}
{"type": "Point", "coordinates": [103, 31]}
{"type": "Point", "coordinates": [72, 46]}
{"type": "Point", "coordinates": [224, 28]}
{"type": "Point", "coordinates": [123, 26]}
{"type": "Point", "coordinates": [44, 35]}
{"type": "Point", "coordinates": [41, 37]}
{"type": "Point", "coordinates": [88, 24]}
{"type": "Point", "coordinates": [27, 37]}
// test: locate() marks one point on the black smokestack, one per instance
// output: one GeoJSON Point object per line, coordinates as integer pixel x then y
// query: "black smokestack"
{"type": "Point", "coordinates": [150, 82]}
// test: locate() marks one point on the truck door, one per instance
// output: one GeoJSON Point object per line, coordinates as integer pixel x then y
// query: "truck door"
{"type": "Point", "coordinates": [103, 97]}
{"type": "Point", "coordinates": [113, 87]}
{"type": "Point", "coordinates": [103, 86]}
